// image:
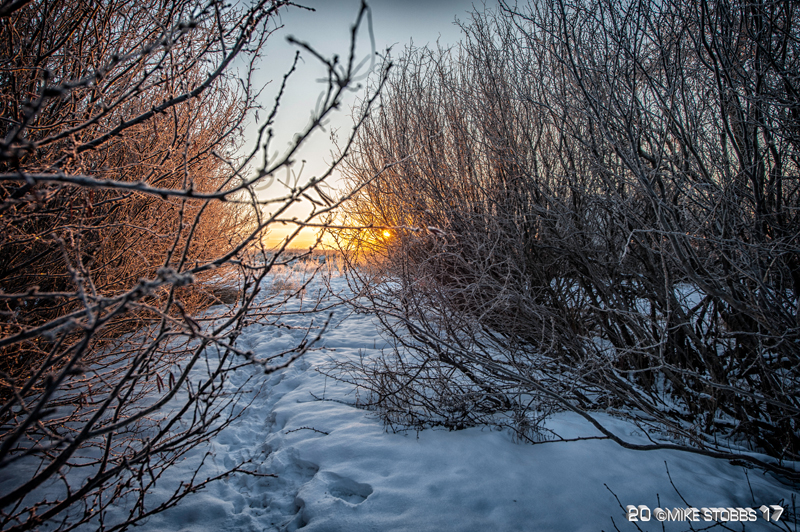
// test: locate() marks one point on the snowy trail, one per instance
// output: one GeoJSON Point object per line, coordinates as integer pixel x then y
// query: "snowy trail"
{"type": "Point", "coordinates": [339, 470]}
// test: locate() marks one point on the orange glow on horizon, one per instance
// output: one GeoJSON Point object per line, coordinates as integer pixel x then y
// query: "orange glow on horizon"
{"type": "Point", "coordinates": [305, 239]}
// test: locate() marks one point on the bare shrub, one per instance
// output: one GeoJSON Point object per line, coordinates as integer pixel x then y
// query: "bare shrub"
{"type": "Point", "coordinates": [131, 244]}
{"type": "Point", "coordinates": [593, 207]}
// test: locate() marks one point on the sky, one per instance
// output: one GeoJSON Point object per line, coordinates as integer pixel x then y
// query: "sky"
{"type": "Point", "coordinates": [396, 23]}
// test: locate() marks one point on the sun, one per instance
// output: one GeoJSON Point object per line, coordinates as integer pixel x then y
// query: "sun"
{"type": "Point", "coordinates": [387, 234]}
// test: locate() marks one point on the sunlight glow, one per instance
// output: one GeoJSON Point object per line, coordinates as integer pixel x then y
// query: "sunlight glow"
{"type": "Point", "coordinates": [387, 234]}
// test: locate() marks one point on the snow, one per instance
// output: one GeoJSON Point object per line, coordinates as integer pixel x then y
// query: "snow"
{"type": "Point", "coordinates": [337, 467]}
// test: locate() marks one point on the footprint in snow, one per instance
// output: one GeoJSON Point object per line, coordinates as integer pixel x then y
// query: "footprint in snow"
{"type": "Point", "coordinates": [348, 489]}
{"type": "Point", "coordinates": [339, 487]}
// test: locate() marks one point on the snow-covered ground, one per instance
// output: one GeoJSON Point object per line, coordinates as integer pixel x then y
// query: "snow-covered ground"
{"type": "Point", "coordinates": [337, 468]}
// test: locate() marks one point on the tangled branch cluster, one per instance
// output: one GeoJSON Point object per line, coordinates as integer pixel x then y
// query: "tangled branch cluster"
{"type": "Point", "coordinates": [610, 191]}
{"type": "Point", "coordinates": [128, 215]}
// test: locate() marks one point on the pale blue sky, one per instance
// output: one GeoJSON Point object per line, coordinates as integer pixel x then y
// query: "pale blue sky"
{"type": "Point", "coordinates": [395, 23]}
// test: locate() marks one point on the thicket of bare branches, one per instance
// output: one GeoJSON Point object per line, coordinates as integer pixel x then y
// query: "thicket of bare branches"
{"type": "Point", "coordinates": [125, 213]}
{"type": "Point", "coordinates": [595, 209]}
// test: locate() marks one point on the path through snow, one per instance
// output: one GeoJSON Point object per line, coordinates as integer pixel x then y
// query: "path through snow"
{"type": "Point", "coordinates": [339, 470]}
